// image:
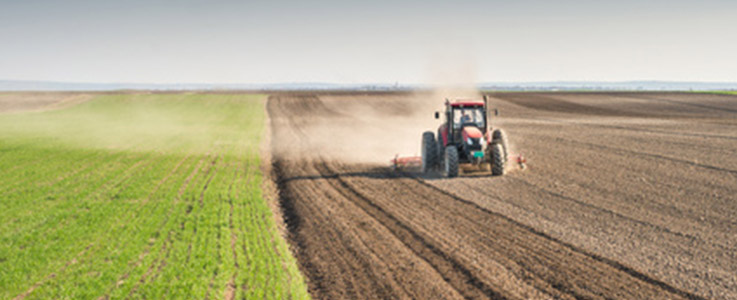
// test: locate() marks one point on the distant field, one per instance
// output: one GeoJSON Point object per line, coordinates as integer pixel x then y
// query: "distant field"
{"type": "Point", "coordinates": [38, 101]}
{"type": "Point", "coordinates": [140, 196]}
{"type": "Point", "coordinates": [717, 92]}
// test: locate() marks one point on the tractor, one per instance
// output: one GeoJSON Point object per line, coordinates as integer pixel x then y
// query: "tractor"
{"type": "Point", "coordinates": [465, 137]}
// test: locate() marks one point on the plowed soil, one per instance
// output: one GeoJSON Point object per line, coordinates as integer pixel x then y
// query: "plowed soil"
{"type": "Point", "coordinates": [627, 195]}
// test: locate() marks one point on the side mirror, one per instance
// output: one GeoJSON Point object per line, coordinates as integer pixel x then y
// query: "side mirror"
{"type": "Point", "coordinates": [496, 112]}
{"type": "Point", "coordinates": [437, 115]}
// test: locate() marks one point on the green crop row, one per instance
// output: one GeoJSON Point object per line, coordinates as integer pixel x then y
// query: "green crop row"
{"type": "Point", "coordinates": [140, 196]}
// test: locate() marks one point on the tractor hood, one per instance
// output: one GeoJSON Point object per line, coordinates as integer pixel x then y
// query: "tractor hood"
{"type": "Point", "coordinates": [471, 132]}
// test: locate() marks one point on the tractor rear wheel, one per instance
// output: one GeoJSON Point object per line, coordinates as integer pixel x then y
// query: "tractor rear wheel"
{"type": "Point", "coordinates": [450, 166]}
{"type": "Point", "coordinates": [497, 159]}
{"type": "Point", "coordinates": [429, 152]}
{"type": "Point", "coordinates": [500, 137]}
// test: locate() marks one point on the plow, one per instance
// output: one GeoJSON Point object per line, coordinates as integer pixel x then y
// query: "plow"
{"type": "Point", "coordinates": [464, 138]}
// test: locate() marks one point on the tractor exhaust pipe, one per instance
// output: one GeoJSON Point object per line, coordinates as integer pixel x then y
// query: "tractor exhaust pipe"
{"type": "Point", "coordinates": [486, 109]}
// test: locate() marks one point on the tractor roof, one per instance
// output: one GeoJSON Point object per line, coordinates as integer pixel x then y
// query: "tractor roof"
{"type": "Point", "coordinates": [467, 104]}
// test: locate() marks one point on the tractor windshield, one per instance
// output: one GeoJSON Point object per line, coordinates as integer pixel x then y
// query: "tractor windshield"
{"type": "Point", "coordinates": [463, 116]}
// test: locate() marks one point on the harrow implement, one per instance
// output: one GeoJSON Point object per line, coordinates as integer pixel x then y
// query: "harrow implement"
{"type": "Point", "coordinates": [401, 162]}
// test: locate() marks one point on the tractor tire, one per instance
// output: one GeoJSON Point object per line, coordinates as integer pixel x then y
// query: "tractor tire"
{"type": "Point", "coordinates": [450, 165]}
{"type": "Point", "coordinates": [429, 152]}
{"type": "Point", "coordinates": [497, 159]}
{"type": "Point", "coordinates": [498, 136]}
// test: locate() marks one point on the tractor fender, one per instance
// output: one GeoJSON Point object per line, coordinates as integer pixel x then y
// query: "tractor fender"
{"type": "Point", "coordinates": [443, 134]}
{"type": "Point", "coordinates": [489, 137]}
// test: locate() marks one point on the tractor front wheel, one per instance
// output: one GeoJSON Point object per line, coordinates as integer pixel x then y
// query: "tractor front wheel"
{"type": "Point", "coordinates": [429, 152]}
{"type": "Point", "coordinates": [451, 162]}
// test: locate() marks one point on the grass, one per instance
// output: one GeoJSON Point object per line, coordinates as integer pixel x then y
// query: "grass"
{"type": "Point", "coordinates": [726, 92]}
{"type": "Point", "coordinates": [714, 92]}
{"type": "Point", "coordinates": [140, 196]}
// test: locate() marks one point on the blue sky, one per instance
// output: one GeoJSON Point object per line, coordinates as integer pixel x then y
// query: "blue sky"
{"type": "Point", "coordinates": [367, 41]}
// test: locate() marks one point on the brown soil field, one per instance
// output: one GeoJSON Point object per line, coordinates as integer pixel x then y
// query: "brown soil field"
{"type": "Point", "coordinates": [13, 102]}
{"type": "Point", "coordinates": [626, 196]}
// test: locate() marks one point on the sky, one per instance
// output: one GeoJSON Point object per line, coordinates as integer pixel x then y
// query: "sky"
{"type": "Point", "coordinates": [407, 42]}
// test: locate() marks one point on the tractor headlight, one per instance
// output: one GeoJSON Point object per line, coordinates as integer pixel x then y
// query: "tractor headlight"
{"type": "Point", "coordinates": [482, 141]}
{"type": "Point", "coordinates": [469, 141]}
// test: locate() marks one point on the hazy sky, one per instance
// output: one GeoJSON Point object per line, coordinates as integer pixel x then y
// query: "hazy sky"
{"type": "Point", "coordinates": [367, 41]}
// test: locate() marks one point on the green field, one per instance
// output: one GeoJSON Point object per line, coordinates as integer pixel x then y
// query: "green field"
{"type": "Point", "coordinates": [717, 92]}
{"type": "Point", "coordinates": [140, 196]}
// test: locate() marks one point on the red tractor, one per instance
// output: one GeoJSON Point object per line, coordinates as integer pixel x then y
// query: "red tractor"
{"type": "Point", "coordinates": [465, 137]}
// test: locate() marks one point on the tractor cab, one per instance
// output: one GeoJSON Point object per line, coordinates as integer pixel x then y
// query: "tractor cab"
{"type": "Point", "coordinates": [468, 116]}
{"type": "Point", "coordinates": [463, 119]}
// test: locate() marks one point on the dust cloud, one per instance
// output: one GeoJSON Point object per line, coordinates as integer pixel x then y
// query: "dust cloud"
{"type": "Point", "coordinates": [366, 128]}
{"type": "Point", "coordinates": [374, 128]}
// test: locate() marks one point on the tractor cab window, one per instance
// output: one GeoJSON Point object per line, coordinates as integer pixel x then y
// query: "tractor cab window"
{"type": "Point", "coordinates": [468, 116]}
